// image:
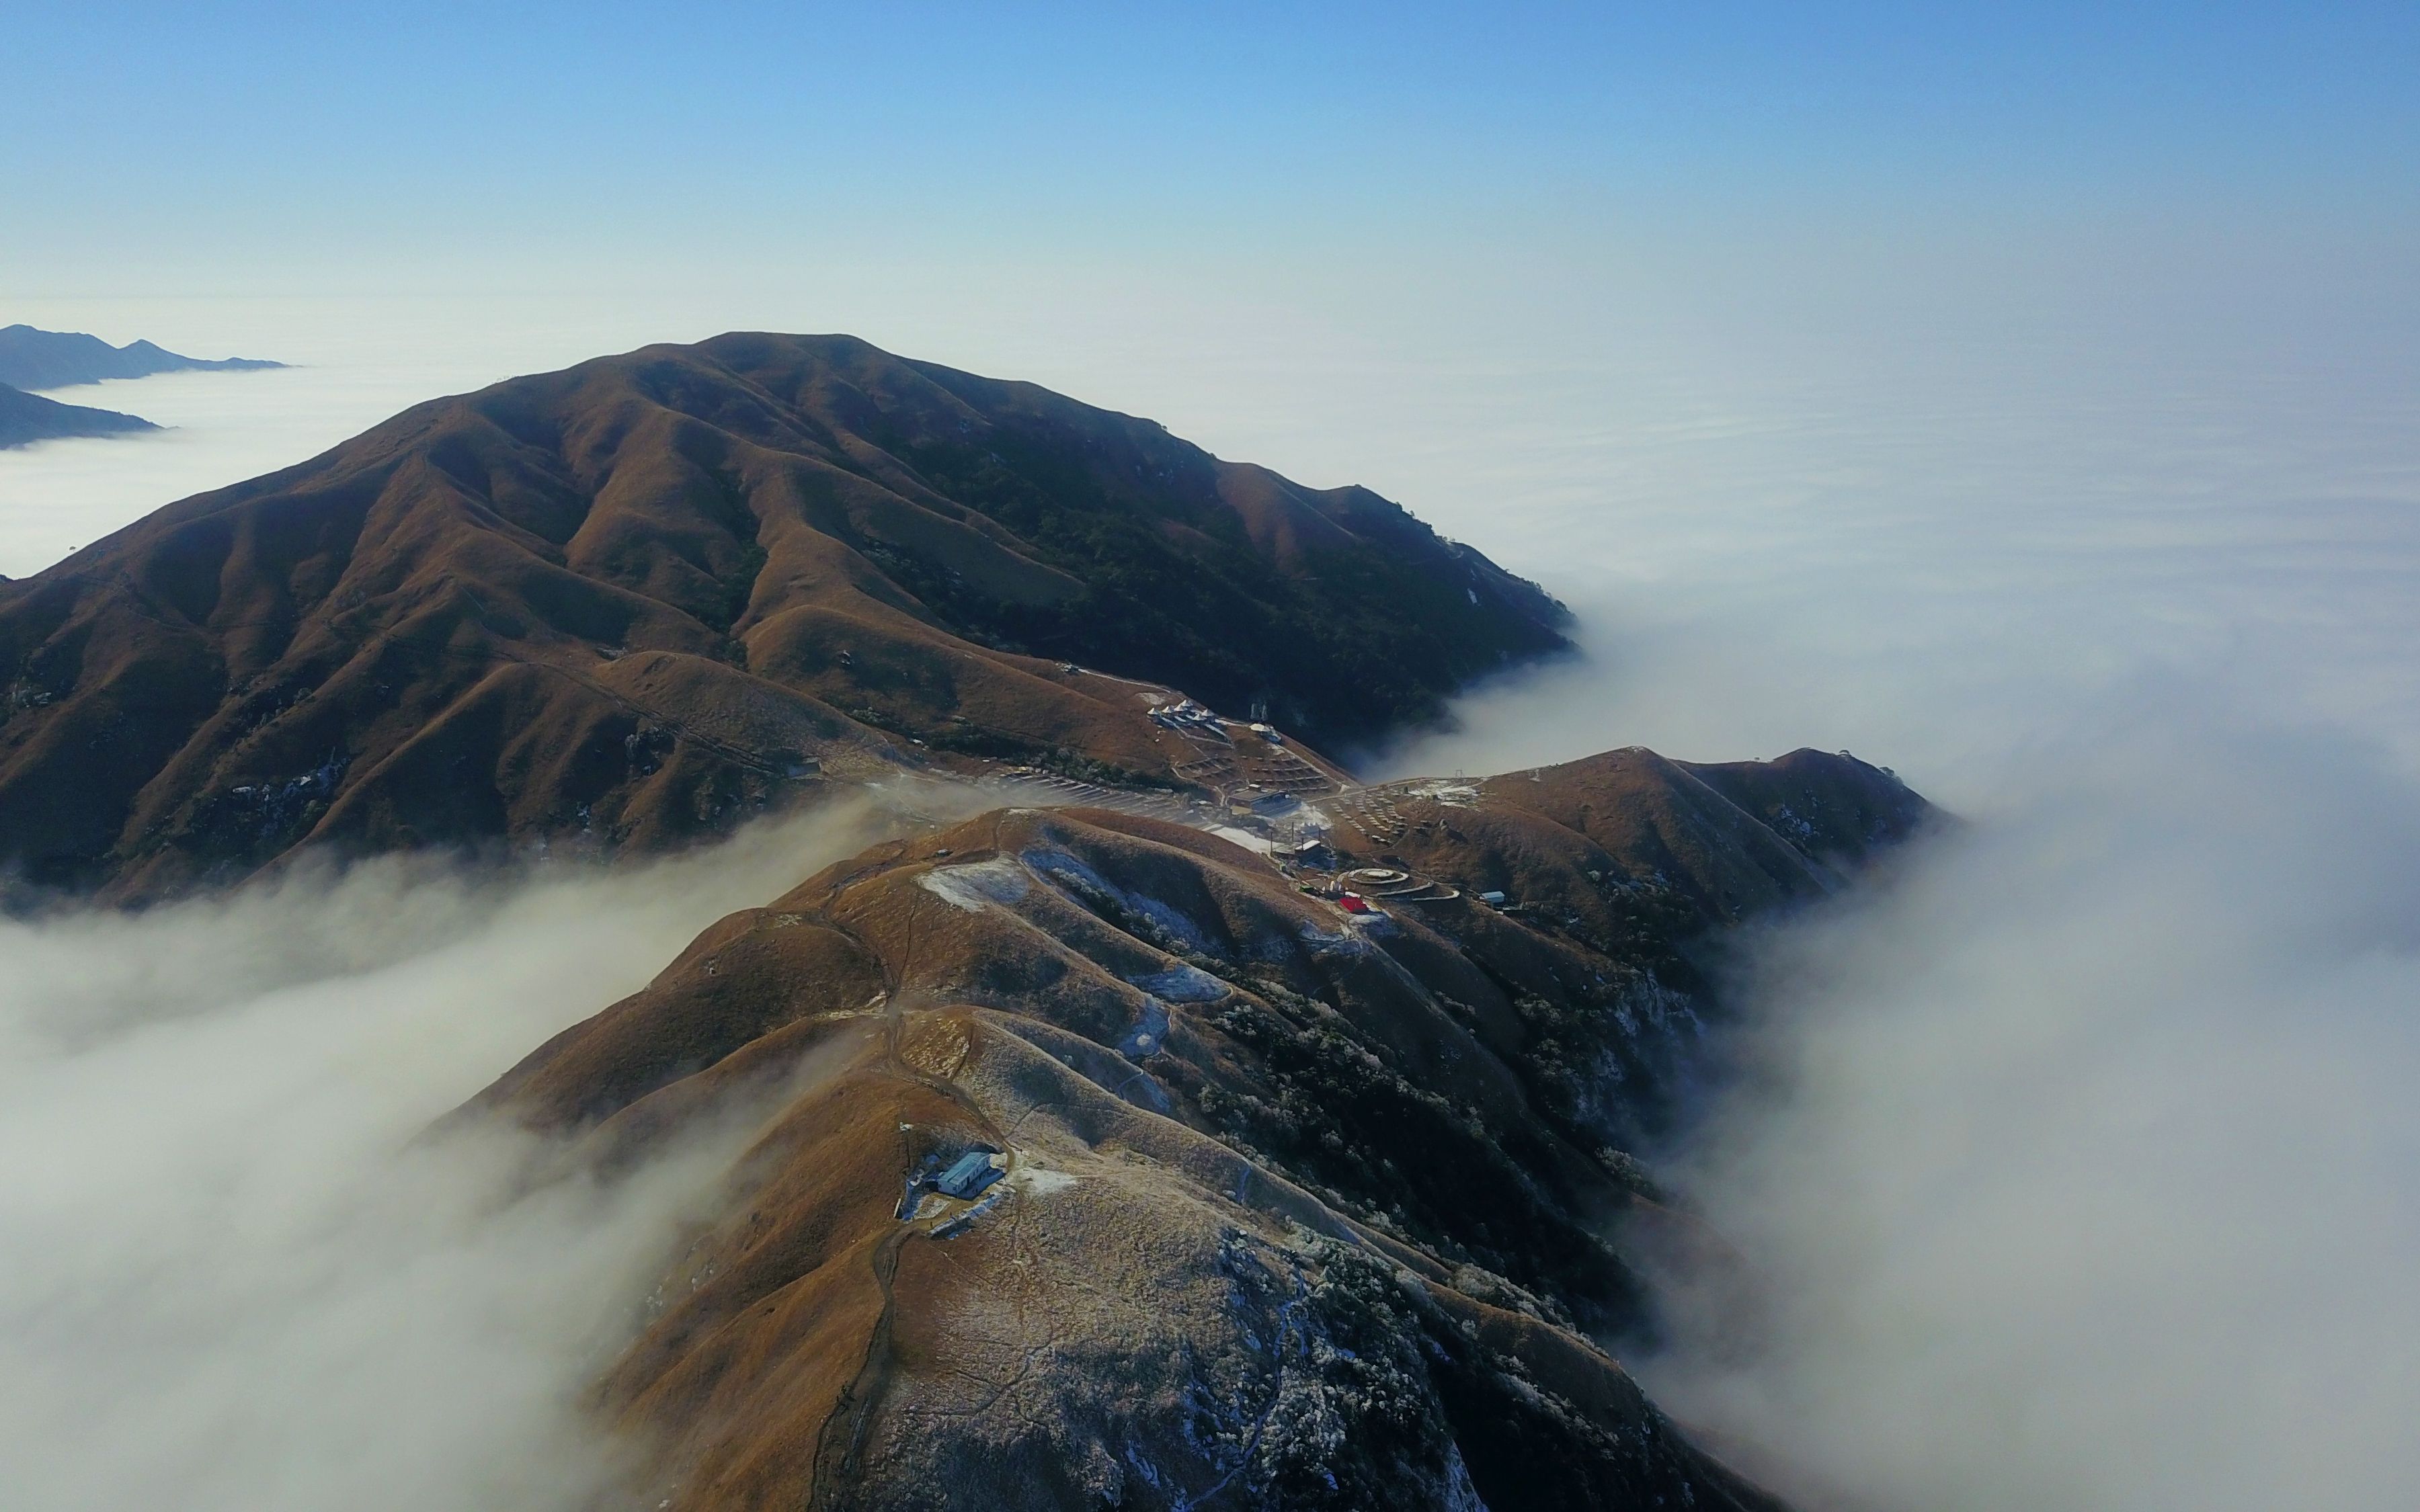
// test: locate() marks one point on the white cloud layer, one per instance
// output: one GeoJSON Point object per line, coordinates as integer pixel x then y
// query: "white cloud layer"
{"type": "Point", "coordinates": [2080, 1169]}
{"type": "Point", "coordinates": [235, 1283]}
{"type": "Point", "coordinates": [2081, 1163]}
{"type": "Point", "coordinates": [2080, 1166]}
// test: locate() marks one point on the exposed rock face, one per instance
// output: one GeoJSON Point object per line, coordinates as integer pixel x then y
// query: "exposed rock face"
{"type": "Point", "coordinates": [637, 600]}
{"type": "Point", "coordinates": [1302, 1208]}
{"type": "Point", "coordinates": [28, 418]}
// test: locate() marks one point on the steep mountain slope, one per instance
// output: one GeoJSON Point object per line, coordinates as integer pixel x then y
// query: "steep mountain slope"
{"type": "Point", "coordinates": [31, 359]}
{"type": "Point", "coordinates": [27, 418]}
{"type": "Point", "coordinates": [633, 601]}
{"type": "Point", "coordinates": [1291, 1205]}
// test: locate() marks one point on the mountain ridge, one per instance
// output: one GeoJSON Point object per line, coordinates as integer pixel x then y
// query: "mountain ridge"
{"type": "Point", "coordinates": [1275, 1193]}
{"type": "Point", "coordinates": [35, 359]}
{"type": "Point", "coordinates": [1235, 1130]}
{"type": "Point", "coordinates": [27, 418]}
{"type": "Point", "coordinates": [628, 603]}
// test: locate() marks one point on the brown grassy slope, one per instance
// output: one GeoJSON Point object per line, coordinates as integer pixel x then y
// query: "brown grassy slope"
{"type": "Point", "coordinates": [1719, 842]}
{"type": "Point", "coordinates": [1333, 1236]}
{"type": "Point", "coordinates": [632, 601]}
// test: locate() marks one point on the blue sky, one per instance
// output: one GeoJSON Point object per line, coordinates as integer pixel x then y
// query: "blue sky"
{"type": "Point", "coordinates": [237, 142]}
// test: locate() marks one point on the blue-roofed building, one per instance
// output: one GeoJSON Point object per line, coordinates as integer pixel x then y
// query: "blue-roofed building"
{"type": "Point", "coordinates": [968, 1175]}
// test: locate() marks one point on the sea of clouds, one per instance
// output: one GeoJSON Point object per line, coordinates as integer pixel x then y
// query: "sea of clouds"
{"type": "Point", "coordinates": [2074, 1164]}
{"type": "Point", "coordinates": [2078, 1165]}
{"type": "Point", "coordinates": [240, 1276]}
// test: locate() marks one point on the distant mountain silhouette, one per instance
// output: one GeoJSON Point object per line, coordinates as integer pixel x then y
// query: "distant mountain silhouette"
{"type": "Point", "coordinates": [25, 418]}
{"type": "Point", "coordinates": [635, 601]}
{"type": "Point", "coordinates": [31, 359]}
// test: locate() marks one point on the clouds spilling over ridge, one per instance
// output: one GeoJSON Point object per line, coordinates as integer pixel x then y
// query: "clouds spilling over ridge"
{"type": "Point", "coordinates": [2075, 1170]}
{"type": "Point", "coordinates": [236, 1280]}
{"type": "Point", "coordinates": [2081, 1166]}
{"type": "Point", "coordinates": [2078, 1167]}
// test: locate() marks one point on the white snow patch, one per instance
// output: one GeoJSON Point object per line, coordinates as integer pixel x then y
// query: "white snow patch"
{"type": "Point", "coordinates": [1182, 984]}
{"type": "Point", "coordinates": [998, 880]}
{"type": "Point", "coordinates": [1066, 870]}
{"type": "Point", "coordinates": [1322, 942]}
{"type": "Point", "coordinates": [1039, 1180]}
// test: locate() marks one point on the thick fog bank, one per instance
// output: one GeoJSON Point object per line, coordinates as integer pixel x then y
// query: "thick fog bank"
{"type": "Point", "coordinates": [1937, 555]}
{"type": "Point", "coordinates": [233, 1280]}
{"type": "Point", "coordinates": [2080, 1165]}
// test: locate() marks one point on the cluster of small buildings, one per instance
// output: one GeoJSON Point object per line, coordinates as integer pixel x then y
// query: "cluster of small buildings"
{"type": "Point", "coordinates": [1310, 851]}
{"type": "Point", "coordinates": [963, 1178]}
{"type": "Point", "coordinates": [1186, 716]}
